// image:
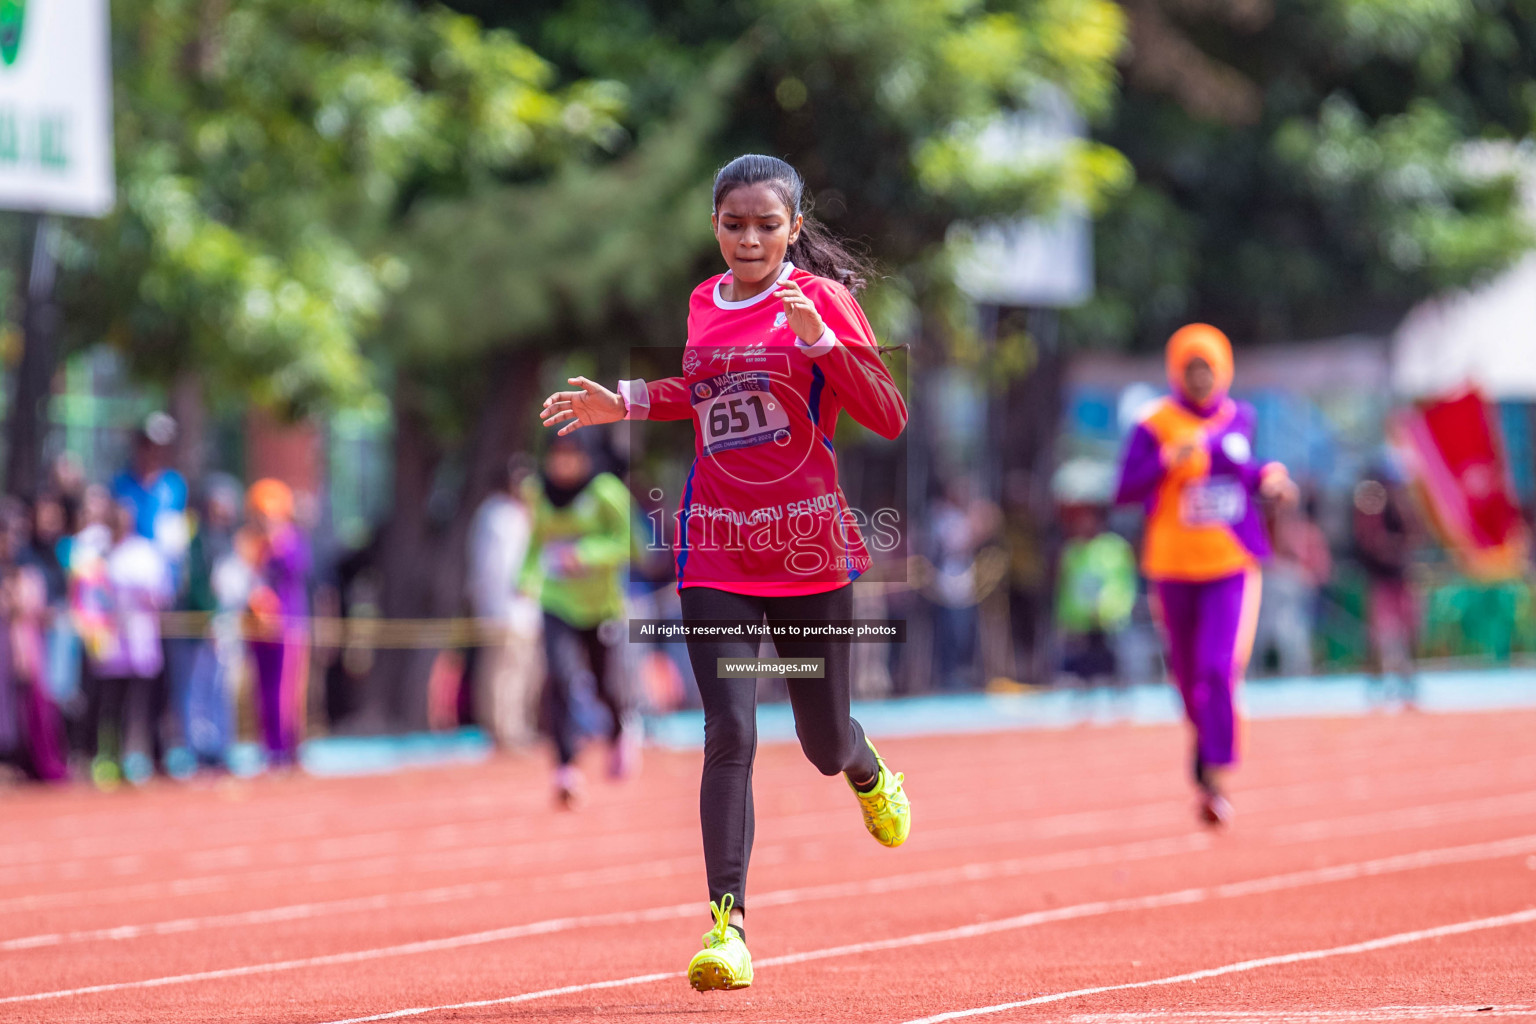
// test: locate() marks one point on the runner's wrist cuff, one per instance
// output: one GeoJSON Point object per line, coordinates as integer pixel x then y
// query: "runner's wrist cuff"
{"type": "Point", "coordinates": [637, 399]}
{"type": "Point", "coordinates": [822, 345]}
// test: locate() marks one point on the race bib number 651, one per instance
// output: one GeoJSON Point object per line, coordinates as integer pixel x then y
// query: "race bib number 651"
{"type": "Point", "coordinates": [738, 410]}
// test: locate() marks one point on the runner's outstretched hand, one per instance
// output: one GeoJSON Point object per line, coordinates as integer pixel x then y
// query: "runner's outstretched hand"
{"type": "Point", "coordinates": [589, 407]}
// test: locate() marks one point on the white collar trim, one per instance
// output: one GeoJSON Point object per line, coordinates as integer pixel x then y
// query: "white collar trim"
{"type": "Point", "coordinates": [754, 300]}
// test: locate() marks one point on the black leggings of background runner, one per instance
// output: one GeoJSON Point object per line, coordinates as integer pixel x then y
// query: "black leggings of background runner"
{"type": "Point", "coordinates": [831, 739]}
{"type": "Point", "coordinates": [570, 654]}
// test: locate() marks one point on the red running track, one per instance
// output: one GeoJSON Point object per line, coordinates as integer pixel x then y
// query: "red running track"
{"type": "Point", "coordinates": [1380, 869]}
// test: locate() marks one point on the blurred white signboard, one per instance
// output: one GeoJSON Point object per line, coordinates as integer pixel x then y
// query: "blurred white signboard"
{"type": "Point", "coordinates": [1029, 261]}
{"type": "Point", "coordinates": [55, 107]}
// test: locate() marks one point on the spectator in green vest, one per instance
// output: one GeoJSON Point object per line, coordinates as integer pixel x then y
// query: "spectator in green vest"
{"type": "Point", "coordinates": [1096, 590]}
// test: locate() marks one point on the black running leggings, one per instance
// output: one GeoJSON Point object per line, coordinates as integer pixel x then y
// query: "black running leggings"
{"type": "Point", "coordinates": [573, 653]}
{"type": "Point", "coordinates": [831, 739]}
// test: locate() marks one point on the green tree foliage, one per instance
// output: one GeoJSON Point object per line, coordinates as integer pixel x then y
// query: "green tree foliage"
{"type": "Point", "coordinates": [266, 148]}
{"type": "Point", "coordinates": [880, 105]}
{"type": "Point", "coordinates": [1310, 167]}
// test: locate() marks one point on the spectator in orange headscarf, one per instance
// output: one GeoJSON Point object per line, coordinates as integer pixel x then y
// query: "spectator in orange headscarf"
{"type": "Point", "coordinates": [281, 607]}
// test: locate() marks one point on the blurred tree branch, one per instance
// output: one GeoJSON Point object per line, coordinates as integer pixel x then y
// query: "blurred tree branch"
{"type": "Point", "coordinates": [265, 151]}
{"type": "Point", "coordinates": [1310, 167]}
{"type": "Point", "coordinates": [1163, 59]}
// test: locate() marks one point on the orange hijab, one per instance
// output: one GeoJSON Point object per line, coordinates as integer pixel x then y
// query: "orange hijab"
{"type": "Point", "coordinates": [272, 498]}
{"type": "Point", "coordinates": [1200, 341]}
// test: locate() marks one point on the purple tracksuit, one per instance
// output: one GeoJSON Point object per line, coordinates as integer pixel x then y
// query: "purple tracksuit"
{"type": "Point", "coordinates": [1204, 539]}
{"type": "Point", "coordinates": [282, 665]}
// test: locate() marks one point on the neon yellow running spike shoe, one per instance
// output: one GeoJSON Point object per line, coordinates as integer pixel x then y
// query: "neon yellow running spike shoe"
{"type": "Point", "coordinates": [887, 811]}
{"type": "Point", "coordinates": [724, 961]}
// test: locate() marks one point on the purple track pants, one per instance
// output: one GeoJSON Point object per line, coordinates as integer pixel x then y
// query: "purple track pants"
{"type": "Point", "coordinates": [282, 669]}
{"type": "Point", "coordinates": [1208, 634]}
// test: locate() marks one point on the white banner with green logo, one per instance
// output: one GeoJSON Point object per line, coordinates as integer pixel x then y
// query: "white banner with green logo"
{"type": "Point", "coordinates": [55, 107]}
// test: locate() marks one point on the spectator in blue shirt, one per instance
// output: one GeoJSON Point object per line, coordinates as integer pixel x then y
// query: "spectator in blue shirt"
{"type": "Point", "coordinates": [157, 492]}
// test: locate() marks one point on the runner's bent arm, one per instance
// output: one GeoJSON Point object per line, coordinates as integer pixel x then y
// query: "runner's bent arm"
{"type": "Point", "coordinates": [851, 362]}
{"type": "Point", "coordinates": [1267, 478]}
{"type": "Point", "coordinates": [1142, 469]}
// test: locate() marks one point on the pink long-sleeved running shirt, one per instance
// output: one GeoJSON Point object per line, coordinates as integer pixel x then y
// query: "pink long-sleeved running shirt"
{"type": "Point", "coordinates": [761, 511]}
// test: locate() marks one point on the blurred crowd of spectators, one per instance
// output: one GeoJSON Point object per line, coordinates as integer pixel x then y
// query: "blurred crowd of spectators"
{"type": "Point", "coordinates": [147, 633]}
{"type": "Point", "coordinates": [98, 679]}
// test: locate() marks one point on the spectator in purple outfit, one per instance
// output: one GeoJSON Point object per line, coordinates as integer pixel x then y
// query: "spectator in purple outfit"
{"type": "Point", "coordinates": [26, 599]}
{"type": "Point", "coordinates": [281, 605]}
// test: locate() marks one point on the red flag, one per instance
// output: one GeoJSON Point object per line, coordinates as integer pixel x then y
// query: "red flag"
{"type": "Point", "coordinates": [1456, 457]}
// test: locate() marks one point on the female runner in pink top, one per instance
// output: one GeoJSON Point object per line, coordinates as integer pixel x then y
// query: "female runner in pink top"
{"type": "Point", "coordinates": [777, 349]}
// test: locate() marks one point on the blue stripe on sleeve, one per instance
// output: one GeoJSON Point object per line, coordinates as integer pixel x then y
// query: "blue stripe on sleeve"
{"type": "Point", "coordinates": [682, 528]}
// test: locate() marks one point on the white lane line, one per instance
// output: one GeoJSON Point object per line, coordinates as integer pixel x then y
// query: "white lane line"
{"type": "Point", "coordinates": [1361, 1015]}
{"type": "Point", "coordinates": [1024, 920]}
{"type": "Point", "coordinates": [358, 956]}
{"type": "Point", "coordinates": [78, 850]}
{"type": "Point", "coordinates": [525, 997]}
{"type": "Point", "coordinates": [462, 856]}
{"type": "Point", "coordinates": [272, 915]}
{"type": "Point", "coordinates": [977, 871]}
{"type": "Point", "coordinates": [457, 837]}
{"type": "Point", "coordinates": [1150, 815]}
{"type": "Point", "coordinates": [110, 836]}
{"type": "Point", "coordinates": [1312, 831]}
{"type": "Point", "coordinates": [1385, 865]}
{"type": "Point", "coordinates": [1427, 858]}
{"type": "Point", "coordinates": [1386, 942]}
{"type": "Point", "coordinates": [86, 830]}
{"type": "Point", "coordinates": [1040, 863]}
{"type": "Point", "coordinates": [1181, 897]}
{"type": "Point", "coordinates": [1055, 826]}
{"type": "Point", "coordinates": [1406, 817]}
{"type": "Point", "coordinates": [352, 871]}
{"type": "Point", "coordinates": [499, 841]}
{"type": "Point", "coordinates": [83, 830]}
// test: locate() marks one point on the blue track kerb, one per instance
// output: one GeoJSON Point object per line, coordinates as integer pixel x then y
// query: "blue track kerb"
{"type": "Point", "coordinates": [1351, 696]}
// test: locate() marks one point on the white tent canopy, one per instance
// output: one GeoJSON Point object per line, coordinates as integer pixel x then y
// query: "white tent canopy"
{"type": "Point", "coordinates": [1485, 337]}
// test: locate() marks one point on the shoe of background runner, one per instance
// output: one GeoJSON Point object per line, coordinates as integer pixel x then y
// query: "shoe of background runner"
{"type": "Point", "coordinates": [1215, 810]}
{"type": "Point", "coordinates": [106, 773]}
{"type": "Point", "coordinates": [1202, 779]}
{"type": "Point", "coordinates": [624, 757]}
{"type": "Point", "coordinates": [887, 811]}
{"type": "Point", "coordinates": [724, 962]}
{"type": "Point", "coordinates": [138, 768]}
{"type": "Point", "coordinates": [180, 763]}
{"type": "Point", "coordinates": [568, 787]}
